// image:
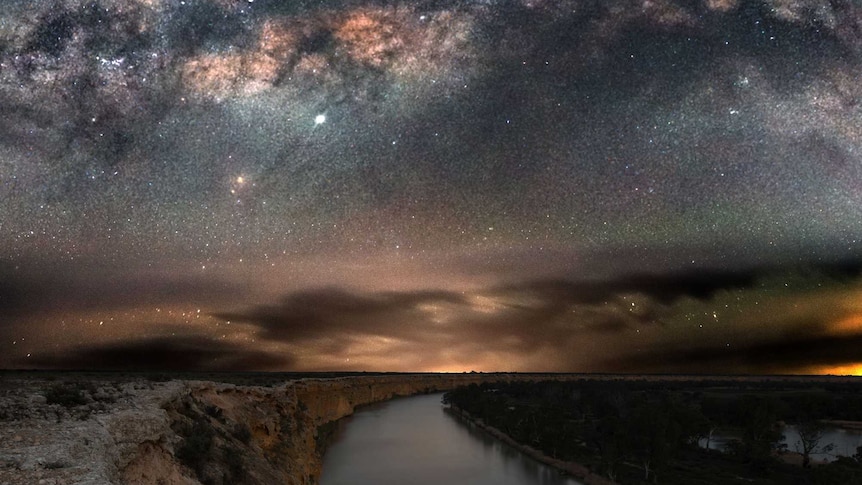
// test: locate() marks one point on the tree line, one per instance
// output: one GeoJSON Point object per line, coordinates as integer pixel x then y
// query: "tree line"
{"type": "Point", "coordinates": [654, 432]}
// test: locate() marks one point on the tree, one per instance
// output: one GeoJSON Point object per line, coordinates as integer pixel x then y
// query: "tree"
{"type": "Point", "coordinates": [759, 431]}
{"type": "Point", "coordinates": [694, 425]}
{"type": "Point", "coordinates": [810, 435]}
{"type": "Point", "coordinates": [610, 437]}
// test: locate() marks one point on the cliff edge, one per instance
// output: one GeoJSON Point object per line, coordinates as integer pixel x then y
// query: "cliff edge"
{"type": "Point", "coordinates": [185, 432]}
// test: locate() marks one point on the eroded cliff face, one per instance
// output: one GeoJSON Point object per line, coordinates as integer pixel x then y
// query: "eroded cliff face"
{"type": "Point", "coordinates": [189, 432]}
{"type": "Point", "coordinates": [270, 435]}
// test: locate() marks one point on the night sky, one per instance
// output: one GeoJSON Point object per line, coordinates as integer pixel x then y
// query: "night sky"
{"type": "Point", "coordinates": [432, 185]}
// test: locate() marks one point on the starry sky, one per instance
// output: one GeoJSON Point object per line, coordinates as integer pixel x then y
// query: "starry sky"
{"type": "Point", "coordinates": [431, 185]}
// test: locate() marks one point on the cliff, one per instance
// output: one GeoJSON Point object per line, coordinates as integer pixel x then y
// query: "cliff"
{"type": "Point", "coordinates": [186, 432]}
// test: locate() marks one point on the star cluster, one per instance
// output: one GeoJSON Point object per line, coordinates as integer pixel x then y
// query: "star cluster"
{"type": "Point", "coordinates": [431, 185]}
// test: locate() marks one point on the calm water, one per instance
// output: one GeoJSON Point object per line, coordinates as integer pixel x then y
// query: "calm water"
{"type": "Point", "coordinates": [844, 442]}
{"type": "Point", "coordinates": [412, 441]}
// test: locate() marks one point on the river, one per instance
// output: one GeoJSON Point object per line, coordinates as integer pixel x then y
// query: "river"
{"type": "Point", "coordinates": [413, 441]}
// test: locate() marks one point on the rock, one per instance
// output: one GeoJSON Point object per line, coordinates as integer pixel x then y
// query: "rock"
{"type": "Point", "coordinates": [131, 428]}
{"type": "Point", "coordinates": [154, 464]}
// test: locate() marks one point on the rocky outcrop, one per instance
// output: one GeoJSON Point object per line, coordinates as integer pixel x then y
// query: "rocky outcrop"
{"type": "Point", "coordinates": [186, 432]}
{"type": "Point", "coordinates": [54, 432]}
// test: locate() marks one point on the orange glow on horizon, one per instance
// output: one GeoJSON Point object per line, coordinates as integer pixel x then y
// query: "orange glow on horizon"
{"type": "Point", "coordinates": [840, 370]}
{"type": "Point", "coordinates": [849, 325]}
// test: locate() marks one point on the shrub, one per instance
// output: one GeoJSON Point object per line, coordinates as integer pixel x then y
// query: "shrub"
{"type": "Point", "coordinates": [65, 396]}
{"type": "Point", "coordinates": [235, 466]}
{"type": "Point", "coordinates": [214, 412]}
{"type": "Point", "coordinates": [196, 446]}
{"type": "Point", "coordinates": [242, 433]}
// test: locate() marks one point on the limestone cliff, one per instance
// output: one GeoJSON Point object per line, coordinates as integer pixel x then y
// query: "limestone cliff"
{"type": "Point", "coordinates": [187, 432]}
{"type": "Point", "coordinates": [282, 423]}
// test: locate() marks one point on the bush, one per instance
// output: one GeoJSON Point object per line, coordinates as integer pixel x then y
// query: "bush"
{"type": "Point", "coordinates": [235, 466]}
{"type": "Point", "coordinates": [65, 396]}
{"type": "Point", "coordinates": [242, 433]}
{"type": "Point", "coordinates": [196, 446]}
{"type": "Point", "coordinates": [214, 412]}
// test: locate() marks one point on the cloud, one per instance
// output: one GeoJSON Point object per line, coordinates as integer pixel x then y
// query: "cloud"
{"type": "Point", "coordinates": [140, 290]}
{"type": "Point", "coordinates": [661, 288]}
{"type": "Point", "coordinates": [309, 313]}
{"type": "Point", "coordinates": [312, 313]}
{"type": "Point", "coordinates": [429, 327]}
{"type": "Point", "coordinates": [645, 322]}
{"type": "Point", "coordinates": [162, 354]}
{"type": "Point", "coordinates": [29, 291]}
{"type": "Point", "coordinates": [422, 330]}
{"type": "Point", "coordinates": [796, 354]}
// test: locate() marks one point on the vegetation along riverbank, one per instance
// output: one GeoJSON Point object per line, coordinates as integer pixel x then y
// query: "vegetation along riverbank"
{"type": "Point", "coordinates": [658, 431]}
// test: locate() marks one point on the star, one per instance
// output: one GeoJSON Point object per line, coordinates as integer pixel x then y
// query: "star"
{"type": "Point", "coordinates": [548, 171]}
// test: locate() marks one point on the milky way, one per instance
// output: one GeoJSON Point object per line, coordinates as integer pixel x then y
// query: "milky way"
{"type": "Point", "coordinates": [573, 185]}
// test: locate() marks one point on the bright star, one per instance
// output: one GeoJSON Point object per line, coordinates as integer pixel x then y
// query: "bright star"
{"type": "Point", "coordinates": [319, 119]}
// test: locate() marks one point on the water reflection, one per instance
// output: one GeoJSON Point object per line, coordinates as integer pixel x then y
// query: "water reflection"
{"type": "Point", "coordinates": [844, 442]}
{"type": "Point", "coordinates": [413, 441]}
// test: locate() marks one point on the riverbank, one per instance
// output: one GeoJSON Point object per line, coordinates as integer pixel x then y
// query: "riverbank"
{"type": "Point", "coordinates": [66, 429]}
{"type": "Point", "coordinates": [574, 469]}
